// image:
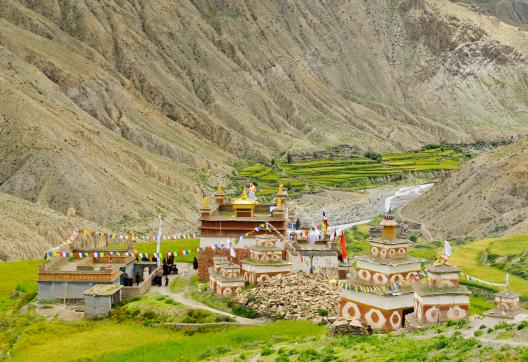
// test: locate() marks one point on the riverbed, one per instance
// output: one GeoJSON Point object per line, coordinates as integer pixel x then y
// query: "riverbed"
{"type": "Point", "coordinates": [346, 209]}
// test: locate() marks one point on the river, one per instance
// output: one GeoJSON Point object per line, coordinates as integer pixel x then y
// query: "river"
{"type": "Point", "coordinates": [357, 210]}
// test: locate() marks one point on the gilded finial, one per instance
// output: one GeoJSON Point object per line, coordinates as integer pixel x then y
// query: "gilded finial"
{"type": "Point", "coordinates": [206, 202]}
{"type": "Point", "coordinates": [219, 189]}
{"type": "Point", "coordinates": [281, 188]}
{"type": "Point", "coordinates": [244, 193]}
{"type": "Point", "coordinates": [279, 202]}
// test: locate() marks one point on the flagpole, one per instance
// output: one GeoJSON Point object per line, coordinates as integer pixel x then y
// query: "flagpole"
{"type": "Point", "coordinates": [159, 242]}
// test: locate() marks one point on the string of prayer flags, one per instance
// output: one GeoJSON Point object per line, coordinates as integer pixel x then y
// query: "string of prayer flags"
{"type": "Point", "coordinates": [473, 279]}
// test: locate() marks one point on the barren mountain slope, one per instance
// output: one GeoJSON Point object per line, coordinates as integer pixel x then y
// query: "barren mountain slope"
{"type": "Point", "coordinates": [486, 196]}
{"type": "Point", "coordinates": [28, 230]}
{"type": "Point", "coordinates": [124, 109]}
{"type": "Point", "coordinates": [514, 12]}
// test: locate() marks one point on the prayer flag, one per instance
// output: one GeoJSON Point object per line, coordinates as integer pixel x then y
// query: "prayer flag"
{"type": "Point", "coordinates": [343, 245]}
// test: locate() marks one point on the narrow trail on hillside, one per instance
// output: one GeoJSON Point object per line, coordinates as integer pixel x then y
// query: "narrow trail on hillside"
{"type": "Point", "coordinates": [180, 297]}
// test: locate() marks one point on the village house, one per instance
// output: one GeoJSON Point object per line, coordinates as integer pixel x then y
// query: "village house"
{"type": "Point", "coordinates": [67, 278]}
{"type": "Point", "coordinates": [222, 220]}
{"type": "Point", "coordinates": [265, 260]}
{"type": "Point", "coordinates": [100, 299]}
{"type": "Point", "coordinates": [441, 299]}
{"type": "Point", "coordinates": [377, 294]}
{"type": "Point", "coordinates": [225, 278]}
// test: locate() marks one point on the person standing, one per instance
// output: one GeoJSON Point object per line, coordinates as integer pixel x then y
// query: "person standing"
{"type": "Point", "coordinates": [138, 279]}
{"type": "Point", "coordinates": [195, 263]}
{"type": "Point", "coordinates": [166, 280]}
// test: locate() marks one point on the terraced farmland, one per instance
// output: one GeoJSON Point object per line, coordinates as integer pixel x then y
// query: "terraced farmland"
{"type": "Point", "coordinates": [350, 174]}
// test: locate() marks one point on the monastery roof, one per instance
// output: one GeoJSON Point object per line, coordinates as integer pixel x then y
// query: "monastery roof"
{"type": "Point", "coordinates": [265, 262]}
{"type": "Point", "coordinates": [388, 220]}
{"type": "Point", "coordinates": [395, 261]}
{"type": "Point", "coordinates": [244, 199]}
{"type": "Point", "coordinates": [264, 248]}
{"type": "Point", "coordinates": [103, 289]}
{"type": "Point", "coordinates": [427, 290]}
{"type": "Point", "coordinates": [379, 240]}
{"type": "Point", "coordinates": [220, 277]}
{"type": "Point", "coordinates": [507, 294]}
{"type": "Point", "coordinates": [442, 268]}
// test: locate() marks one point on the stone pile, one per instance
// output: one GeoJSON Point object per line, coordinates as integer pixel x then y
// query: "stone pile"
{"type": "Point", "coordinates": [293, 296]}
{"type": "Point", "coordinates": [344, 326]}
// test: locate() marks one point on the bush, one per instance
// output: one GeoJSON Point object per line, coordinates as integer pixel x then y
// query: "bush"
{"type": "Point", "coordinates": [289, 157]}
{"type": "Point", "coordinates": [413, 238]}
{"type": "Point", "coordinates": [282, 359]}
{"type": "Point", "coordinates": [309, 355]}
{"type": "Point", "coordinates": [478, 333]}
{"type": "Point", "coordinates": [458, 324]}
{"type": "Point", "coordinates": [522, 325]}
{"type": "Point", "coordinates": [196, 316]}
{"type": "Point", "coordinates": [21, 288]}
{"type": "Point", "coordinates": [266, 351]}
{"type": "Point", "coordinates": [244, 312]}
{"type": "Point", "coordinates": [374, 156]}
{"type": "Point", "coordinates": [322, 312]}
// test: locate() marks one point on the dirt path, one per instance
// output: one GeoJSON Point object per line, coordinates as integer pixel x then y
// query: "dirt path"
{"type": "Point", "coordinates": [180, 297]}
{"type": "Point", "coordinates": [423, 227]}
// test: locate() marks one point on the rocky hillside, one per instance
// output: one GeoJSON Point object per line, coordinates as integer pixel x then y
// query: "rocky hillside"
{"type": "Point", "coordinates": [127, 109]}
{"type": "Point", "coordinates": [514, 12]}
{"type": "Point", "coordinates": [486, 196]}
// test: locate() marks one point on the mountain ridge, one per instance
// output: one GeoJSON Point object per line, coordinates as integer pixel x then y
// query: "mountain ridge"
{"type": "Point", "coordinates": [125, 110]}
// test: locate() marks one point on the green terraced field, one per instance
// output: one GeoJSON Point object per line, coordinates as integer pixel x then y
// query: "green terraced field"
{"type": "Point", "coordinates": [355, 173]}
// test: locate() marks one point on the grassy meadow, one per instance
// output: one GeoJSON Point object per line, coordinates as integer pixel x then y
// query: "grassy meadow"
{"type": "Point", "coordinates": [350, 174]}
{"type": "Point", "coordinates": [467, 257]}
{"type": "Point", "coordinates": [175, 246]}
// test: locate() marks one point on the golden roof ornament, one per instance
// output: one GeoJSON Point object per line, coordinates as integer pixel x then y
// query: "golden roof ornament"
{"type": "Point", "coordinates": [219, 189]}
{"type": "Point", "coordinates": [279, 202]}
{"type": "Point", "coordinates": [244, 199]}
{"type": "Point", "coordinates": [205, 202]}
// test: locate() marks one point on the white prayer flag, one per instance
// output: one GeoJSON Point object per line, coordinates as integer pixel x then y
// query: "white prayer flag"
{"type": "Point", "coordinates": [232, 252]}
{"type": "Point", "coordinates": [507, 280]}
{"type": "Point", "coordinates": [447, 249]}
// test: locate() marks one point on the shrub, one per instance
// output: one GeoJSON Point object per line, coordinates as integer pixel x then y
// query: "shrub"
{"type": "Point", "coordinates": [522, 325]}
{"type": "Point", "coordinates": [245, 312]}
{"type": "Point", "coordinates": [309, 354]}
{"type": "Point", "coordinates": [458, 324]}
{"type": "Point", "coordinates": [478, 333]}
{"type": "Point", "coordinates": [413, 238]}
{"type": "Point", "coordinates": [21, 288]}
{"type": "Point", "coordinates": [282, 359]}
{"type": "Point", "coordinates": [196, 316]}
{"type": "Point", "coordinates": [266, 351]}
{"type": "Point", "coordinates": [289, 157]}
{"type": "Point", "coordinates": [322, 312]}
{"type": "Point", "coordinates": [502, 325]}
{"type": "Point", "coordinates": [374, 156]}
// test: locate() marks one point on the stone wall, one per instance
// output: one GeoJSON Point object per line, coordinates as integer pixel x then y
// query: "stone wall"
{"type": "Point", "coordinates": [205, 260]}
